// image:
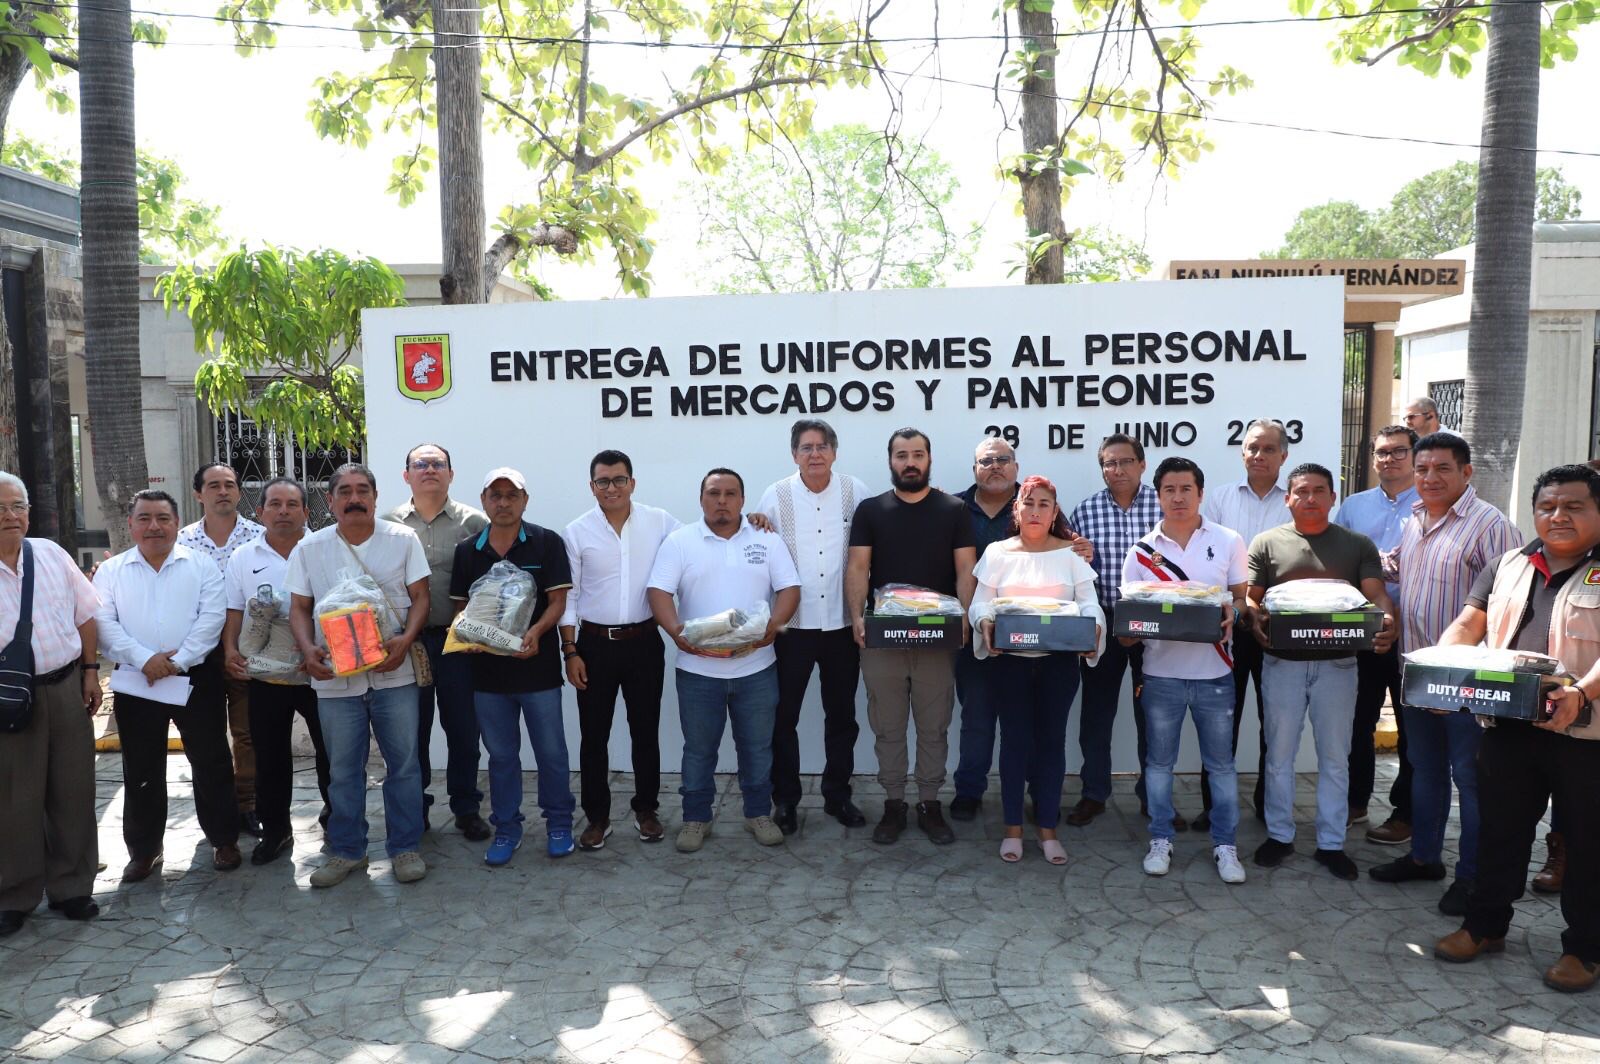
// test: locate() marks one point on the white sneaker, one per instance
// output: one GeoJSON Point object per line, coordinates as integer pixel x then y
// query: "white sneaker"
{"type": "Point", "coordinates": [336, 870]}
{"type": "Point", "coordinates": [1228, 866]}
{"type": "Point", "coordinates": [409, 867]}
{"type": "Point", "coordinates": [1159, 859]}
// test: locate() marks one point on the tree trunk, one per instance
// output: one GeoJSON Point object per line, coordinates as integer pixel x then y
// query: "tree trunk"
{"type": "Point", "coordinates": [457, 65]}
{"type": "Point", "coordinates": [1502, 276]}
{"type": "Point", "coordinates": [13, 66]}
{"type": "Point", "coordinates": [1041, 190]}
{"type": "Point", "coordinates": [110, 209]}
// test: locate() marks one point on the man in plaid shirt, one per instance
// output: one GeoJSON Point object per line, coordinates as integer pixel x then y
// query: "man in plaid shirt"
{"type": "Point", "coordinates": [1112, 519]}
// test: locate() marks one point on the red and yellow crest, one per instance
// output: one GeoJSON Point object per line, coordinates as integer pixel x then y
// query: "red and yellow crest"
{"type": "Point", "coordinates": [422, 365]}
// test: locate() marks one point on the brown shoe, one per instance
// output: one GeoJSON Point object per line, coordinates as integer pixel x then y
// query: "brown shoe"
{"type": "Point", "coordinates": [226, 858]}
{"type": "Point", "coordinates": [1085, 811]}
{"type": "Point", "coordinates": [139, 869]}
{"type": "Point", "coordinates": [1548, 879]}
{"type": "Point", "coordinates": [594, 836]}
{"type": "Point", "coordinates": [1392, 832]}
{"type": "Point", "coordinates": [892, 824]}
{"type": "Point", "coordinates": [1462, 946]}
{"type": "Point", "coordinates": [1571, 975]}
{"type": "Point", "coordinates": [930, 818]}
{"type": "Point", "coordinates": [650, 829]}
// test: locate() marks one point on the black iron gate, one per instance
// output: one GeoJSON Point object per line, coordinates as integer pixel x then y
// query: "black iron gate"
{"type": "Point", "coordinates": [1355, 410]}
{"type": "Point", "coordinates": [258, 455]}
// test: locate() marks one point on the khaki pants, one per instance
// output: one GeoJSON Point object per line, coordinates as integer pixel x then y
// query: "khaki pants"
{"type": "Point", "coordinates": [48, 840]}
{"type": "Point", "coordinates": [905, 685]}
{"type": "Point", "coordinates": [236, 693]}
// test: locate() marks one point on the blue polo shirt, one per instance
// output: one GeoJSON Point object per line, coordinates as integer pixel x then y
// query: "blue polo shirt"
{"type": "Point", "coordinates": [541, 554]}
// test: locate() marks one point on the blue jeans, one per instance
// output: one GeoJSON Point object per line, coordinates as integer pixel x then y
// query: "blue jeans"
{"type": "Point", "coordinates": [974, 680]}
{"type": "Point", "coordinates": [1166, 702]}
{"type": "Point", "coordinates": [705, 704]}
{"type": "Point", "coordinates": [1034, 696]}
{"type": "Point", "coordinates": [499, 718]}
{"type": "Point", "coordinates": [1442, 748]}
{"type": "Point", "coordinates": [390, 715]}
{"type": "Point", "coordinates": [1326, 691]}
{"type": "Point", "coordinates": [452, 687]}
{"type": "Point", "coordinates": [1102, 695]}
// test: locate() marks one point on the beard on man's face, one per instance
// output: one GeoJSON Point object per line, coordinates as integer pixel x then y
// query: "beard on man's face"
{"type": "Point", "coordinates": [909, 479]}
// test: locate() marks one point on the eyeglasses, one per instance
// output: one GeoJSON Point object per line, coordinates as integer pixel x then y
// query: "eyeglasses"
{"type": "Point", "coordinates": [813, 448]}
{"type": "Point", "coordinates": [424, 464]}
{"type": "Point", "coordinates": [602, 483]}
{"type": "Point", "coordinates": [19, 508]}
{"type": "Point", "coordinates": [1111, 465]}
{"type": "Point", "coordinates": [1391, 454]}
{"type": "Point", "coordinates": [990, 463]}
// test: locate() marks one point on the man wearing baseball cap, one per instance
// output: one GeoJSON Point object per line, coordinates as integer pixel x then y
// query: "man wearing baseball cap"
{"type": "Point", "coordinates": [525, 685]}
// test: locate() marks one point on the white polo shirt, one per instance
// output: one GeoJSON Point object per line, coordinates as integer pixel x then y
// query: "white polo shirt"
{"type": "Point", "coordinates": [252, 565]}
{"type": "Point", "coordinates": [710, 574]}
{"type": "Point", "coordinates": [1215, 555]}
{"type": "Point", "coordinates": [394, 556]}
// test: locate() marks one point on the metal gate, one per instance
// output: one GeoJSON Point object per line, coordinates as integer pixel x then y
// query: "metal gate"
{"type": "Point", "coordinates": [257, 456]}
{"type": "Point", "coordinates": [1355, 411]}
{"type": "Point", "coordinates": [1451, 397]}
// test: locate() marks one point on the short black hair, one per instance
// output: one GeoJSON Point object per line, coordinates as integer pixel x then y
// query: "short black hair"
{"type": "Point", "coordinates": [420, 446]}
{"type": "Point", "coordinates": [353, 469]}
{"type": "Point", "coordinates": [1445, 441]}
{"type": "Point", "coordinates": [293, 483]}
{"type": "Point", "coordinates": [812, 424]}
{"type": "Point", "coordinates": [1307, 469]}
{"type": "Point", "coordinates": [721, 471]}
{"type": "Point", "coordinates": [154, 495]}
{"type": "Point", "coordinates": [1120, 437]}
{"type": "Point", "coordinates": [1569, 474]}
{"type": "Point", "coordinates": [909, 433]}
{"type": "Point", "coordinates": [200, 474]}
{"type": "Point", "coordinates": [610, 458]}
{"type": "Point", "coordinates": [1398, 430]}
{"type": "Point", "coordinates": [1180, 464]}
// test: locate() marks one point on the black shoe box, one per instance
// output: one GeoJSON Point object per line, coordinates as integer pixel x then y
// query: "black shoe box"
{"type": "Point", "coordinates": [1181, 622]}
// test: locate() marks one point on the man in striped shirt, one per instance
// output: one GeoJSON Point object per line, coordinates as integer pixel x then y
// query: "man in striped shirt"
{"type": "Point", "coordinates": [1447, 541]}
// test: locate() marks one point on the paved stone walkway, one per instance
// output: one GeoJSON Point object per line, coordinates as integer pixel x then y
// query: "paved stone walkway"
{"type": "Point", "coordinates": [827, 949]}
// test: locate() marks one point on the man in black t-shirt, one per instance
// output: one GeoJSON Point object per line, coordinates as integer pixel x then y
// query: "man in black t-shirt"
{"type": "Point", "coordinates": [526, 684]}
{"type": "Point", "coordinates": [915, 535]}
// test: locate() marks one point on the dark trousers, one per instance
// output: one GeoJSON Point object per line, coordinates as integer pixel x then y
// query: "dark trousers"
{"type": "Point", "coordinates": [1034, 696]}
{"type": "Point", "coordinates": [452, 688]}
{"type": "Point", "coordinates": [1246, 667]}
{"type": "Point", "coordinates": [272, 712]}
{"type": "Point", "coordinates": [837, 658]}
{"type": "Point", "coordinates": [636, 667]}
{"type": "Point", "coordinates": [203, 726]}
{"type": "Point", "coordinates": [1102, 694]}
{"type": "Point", "coordinates": [978, 720]}
{"type": "Point", "coordinates": [1520, 768]}
{"type": "Point", "coordinates": [1377, 675]}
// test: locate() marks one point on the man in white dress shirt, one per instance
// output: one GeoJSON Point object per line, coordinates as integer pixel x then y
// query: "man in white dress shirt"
{"type": "Point", "coordinates": [220, 532]}
{"type": "Point", "coordinates": [1249, 507]}
{"type": "Point", "coordinates": [811, 510]}
{"type": "Point", "coordinates": [610, 642]}
{"type": "Point", "coordinates": [161, 613]}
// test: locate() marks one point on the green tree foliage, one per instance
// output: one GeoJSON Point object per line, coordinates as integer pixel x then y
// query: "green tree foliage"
{"type": "Point", "coordinates": [293, 318]}
{"type": "Point", "coordinates": [850, 209]}
{"type": "Point", "coordinates": [547, 68]}
{"type": "Point", "coordinates": [1429, 34]}
{"type": "Point", "coordinates": [171, 225]}
{"type": "Point", "coordinates": [1428, 216]}
{"type": "Point", "coordinates": [1098, 254]}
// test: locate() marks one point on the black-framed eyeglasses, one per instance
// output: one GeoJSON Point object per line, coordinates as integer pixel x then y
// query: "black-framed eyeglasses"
{"type": "Point", "coordinates": [1391, 453]}
{"type": "Point", "coordinates": [602, 483]}
{"type": "Point", "coordinates": [992, 461]}
{"type": "Point", "coordinates": [1111, 465]}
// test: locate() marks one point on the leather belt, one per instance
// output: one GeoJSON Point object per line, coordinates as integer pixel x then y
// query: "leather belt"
{"type": "Point", "coordinates": [47, 678]}
{"type": "Point", "coordinates": [615, 632]}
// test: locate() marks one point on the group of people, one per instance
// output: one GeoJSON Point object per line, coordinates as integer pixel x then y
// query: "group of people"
{"type": "Point", "coordinates": [1442, 565]}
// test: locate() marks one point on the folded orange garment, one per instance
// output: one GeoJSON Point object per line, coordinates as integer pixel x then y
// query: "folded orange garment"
{"type": "Point", "coordinates": [355, 643]}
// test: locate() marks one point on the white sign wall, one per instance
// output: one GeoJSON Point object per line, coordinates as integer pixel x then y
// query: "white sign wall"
{"type": "Point", "coordinates": [683, 385]}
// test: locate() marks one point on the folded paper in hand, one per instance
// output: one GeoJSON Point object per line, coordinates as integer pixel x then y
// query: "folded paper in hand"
{"type": "Point", "coordinates": [169, 690]}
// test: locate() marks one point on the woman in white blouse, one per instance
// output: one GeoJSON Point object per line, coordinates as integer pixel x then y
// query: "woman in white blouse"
{"type": "Point", "coordinates": [1032, 689]}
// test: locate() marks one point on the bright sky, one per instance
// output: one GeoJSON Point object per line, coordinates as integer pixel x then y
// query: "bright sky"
{"type": "Point", "coordinates": [238, 129]}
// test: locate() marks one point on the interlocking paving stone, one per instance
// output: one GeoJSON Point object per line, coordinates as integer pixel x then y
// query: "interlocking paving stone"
{"type": "Point", "coordinates": [826, 949]}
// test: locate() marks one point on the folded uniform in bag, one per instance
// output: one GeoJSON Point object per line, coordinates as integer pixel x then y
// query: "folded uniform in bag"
{"type": "Point", "coordinates": [1314, 596]}
{"type": "Point", "coordinates": [1488, 658]}
{"type": "Point", "coordinates": [266, 641]}
{"type": "Point", "coordinates": [354, 620]}
{"type": "Point", "coordinates": [498, 612]}
{"type": "Point", "coordinates": [728, 634]}
{"type": "Point", "coordinates": [1034, 605]}
{"type": "Point", "coordinates": [908, 600]}
{"type": "Point", "coordinates": [1176, 593]}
